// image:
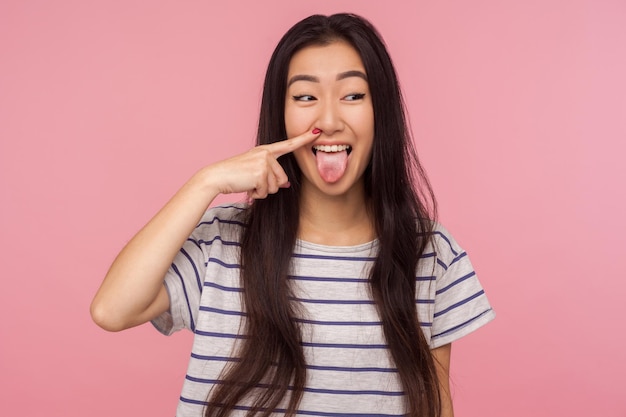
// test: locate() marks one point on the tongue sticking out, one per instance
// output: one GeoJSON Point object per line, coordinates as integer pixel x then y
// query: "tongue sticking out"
{"type": "Point", "coordinates": [331, 165]}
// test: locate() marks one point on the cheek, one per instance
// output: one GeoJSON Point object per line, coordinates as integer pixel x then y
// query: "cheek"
{"type": "Point", "coordinates": [304, 159]}
{"type": "Point", "coordinates": [296, 121]}
{"type": "Point", "coordinates": [363, 125]}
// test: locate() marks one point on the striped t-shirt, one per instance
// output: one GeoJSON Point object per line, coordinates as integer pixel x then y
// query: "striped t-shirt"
{"type": "Point", "coordinates": [349, 370]}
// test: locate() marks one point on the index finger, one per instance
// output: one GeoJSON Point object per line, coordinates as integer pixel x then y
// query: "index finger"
{"type": "Point", "coordinates": [289, 145]}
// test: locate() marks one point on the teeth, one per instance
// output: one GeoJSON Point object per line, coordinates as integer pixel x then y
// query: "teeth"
{"type": "Point", "coordinates": [331, 148]}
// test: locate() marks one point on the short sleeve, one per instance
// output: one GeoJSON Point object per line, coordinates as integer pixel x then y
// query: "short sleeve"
{"type": "Point", "coordinates": [461, 305]}
{"type": "Point", "coordinates": [185, 278]}
{"type": "Point", "coordinates": [183, 282]}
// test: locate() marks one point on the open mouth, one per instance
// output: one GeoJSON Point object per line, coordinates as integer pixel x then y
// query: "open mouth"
{"type": "Point", "coordinates": [332, 148]}
{"type": "Point", "coordinates": [331, 161]}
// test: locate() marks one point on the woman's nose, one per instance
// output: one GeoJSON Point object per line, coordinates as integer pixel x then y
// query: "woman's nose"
{"type": "Point", "coordinates": [329, 118]}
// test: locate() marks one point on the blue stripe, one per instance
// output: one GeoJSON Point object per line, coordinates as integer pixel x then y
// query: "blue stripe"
{"type": "Point", "coordinates": [312, 367]}
{"type": "Point", "coordinates": [224, 312]}
{"type": "Point", "coordinates": [182, 282]}
{"type": "Point", "coordinates": [452, 329]}
{"type": "Point", "coordinates": [308, 389]}
{"type": "Point", "coordinates": [444, 237]}
{"type": "Point", "coordinates": [349, 323]}
{"type": "Point", "coordinates": [447, 287]}
{"type": "Point", "coordinates": [461, 256]}
{"type": "Point", "coordinates": [193, 265]}
{"type": "Point", "coordinates": [225, 221]}
{"type": "Point", "coordinates": [224, 264]}
{"type": "Point", "coordinates": [220, 335]}
{"type": "Point", "coordinates": [190, 401]}
{"type": "Point", "coordinates": [323, 414]}
{"type": "Point", "coordinates": [339, 323]}
{"type": "Point", "coordinates": [357, 280]}
{"type": "Point", "coordinates": [428, 255]}
{"type": "Point", "coordinates": [346, 302]}
{"type": "Point", "coordinates": [442, 264]}
{"type": "Point", "coordinates": [334, 258]}
{"type": "Point", "coordinates": [234, 206]}
{"type": "Point", "coordinates": [195, 242]}
{"type": "Point", "coordinates": [306, 321]}
{"type": "Point", "coordinates": [460, 303]}
{"type": "Point", "coordinates": [214, 358]}
{"type": "Point", "coordinates": [222, 287]}
{"type": "Point", "coordinates": [430, 278]}
{"type": "Point", "coordinates": [326, 279]}
{"type": "Point", "coordinates": [342, 345]}
{"type": "Point", "coordinates": [301, 412]}
{"type": "Point", "coordinates": [224, 242]}
{"type": "Point", "coordinates": [354, 392]}
{"type": "Point", "coordinates": [345, 369]}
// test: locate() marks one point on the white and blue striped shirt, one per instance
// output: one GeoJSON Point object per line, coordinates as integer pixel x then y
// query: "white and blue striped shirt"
{"type": "Point", "coordinates": [349, 370]}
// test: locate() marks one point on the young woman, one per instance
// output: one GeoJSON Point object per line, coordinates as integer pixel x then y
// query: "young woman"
{"type": "Point", "coordinates": [333, 291]}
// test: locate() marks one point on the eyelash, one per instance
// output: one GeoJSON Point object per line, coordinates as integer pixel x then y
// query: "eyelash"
{"type": "Point", "coordinates": [307, 97]}
{"type": "Point", "coordinates": [357, 96]}
{"type": "Point", "coordinates": [302, 98]}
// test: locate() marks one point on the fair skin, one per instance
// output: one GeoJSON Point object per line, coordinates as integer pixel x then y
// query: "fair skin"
{"type": "Point", "coordinates": [441, 355]}
{"type": "Point", "coordinates": [327, 90]}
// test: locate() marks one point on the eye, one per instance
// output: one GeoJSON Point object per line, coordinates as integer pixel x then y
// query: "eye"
{"type": "Point", "coordinates": [304, 97]}
{"type": "Point", "coordinates": [354, 97]}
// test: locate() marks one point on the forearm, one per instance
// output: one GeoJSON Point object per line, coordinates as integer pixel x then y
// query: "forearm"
{"type": "Point", "coordinates": [132, 291]}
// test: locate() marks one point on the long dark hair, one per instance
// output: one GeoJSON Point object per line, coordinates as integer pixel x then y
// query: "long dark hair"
{"type": "Point", "coordinates": [271, 361]}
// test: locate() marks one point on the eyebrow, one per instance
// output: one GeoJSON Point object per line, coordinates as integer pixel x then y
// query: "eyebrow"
{"type": "Point", "coordinates": [314, 79]}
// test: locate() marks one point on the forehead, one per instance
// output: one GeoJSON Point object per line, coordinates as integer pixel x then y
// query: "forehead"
{"type": "Point", "coordinates": [320, 60]}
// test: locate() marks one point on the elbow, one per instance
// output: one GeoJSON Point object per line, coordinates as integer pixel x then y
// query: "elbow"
{"type": "Point", "coordinates": [105, 318]}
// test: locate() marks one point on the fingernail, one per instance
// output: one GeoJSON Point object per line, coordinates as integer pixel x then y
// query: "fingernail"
{"type": "Point", "coordinates": [316, 131]}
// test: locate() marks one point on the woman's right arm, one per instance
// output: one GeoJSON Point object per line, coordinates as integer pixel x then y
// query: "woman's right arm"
{"type": "Point", "coordinates": [132, 292]}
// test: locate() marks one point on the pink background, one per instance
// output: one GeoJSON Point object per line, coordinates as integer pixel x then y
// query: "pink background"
{"type": "Point", "coordinates": [519, 113]}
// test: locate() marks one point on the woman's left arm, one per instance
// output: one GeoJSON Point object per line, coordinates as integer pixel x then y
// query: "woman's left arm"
{"type": "Point", "coordinates": [441, 355]}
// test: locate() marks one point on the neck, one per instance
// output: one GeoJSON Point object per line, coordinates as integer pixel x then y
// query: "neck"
{"type": "Point", "coordinates": [343, 220]}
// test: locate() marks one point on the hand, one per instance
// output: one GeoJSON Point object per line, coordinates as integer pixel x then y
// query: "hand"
{"type": "Point", "coordinates": [257, 171]}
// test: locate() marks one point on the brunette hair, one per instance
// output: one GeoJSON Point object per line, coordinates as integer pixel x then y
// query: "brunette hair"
{"type": "Point", "coordinates": [271, 361]}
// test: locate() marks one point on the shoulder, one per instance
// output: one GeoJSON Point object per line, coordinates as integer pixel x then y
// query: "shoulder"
{"type": "Point", "coordinates": [227, 213]}
{"type": "Point", "coordinates": [224, 221]}
{"type": "Point", "coordinates": [444, 246]}
{"type": "Point", "coordinates": [233, 214]}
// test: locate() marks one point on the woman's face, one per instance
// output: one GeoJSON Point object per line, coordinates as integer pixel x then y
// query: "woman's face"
{"type": "Point", "coordinates": [327, 89]}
